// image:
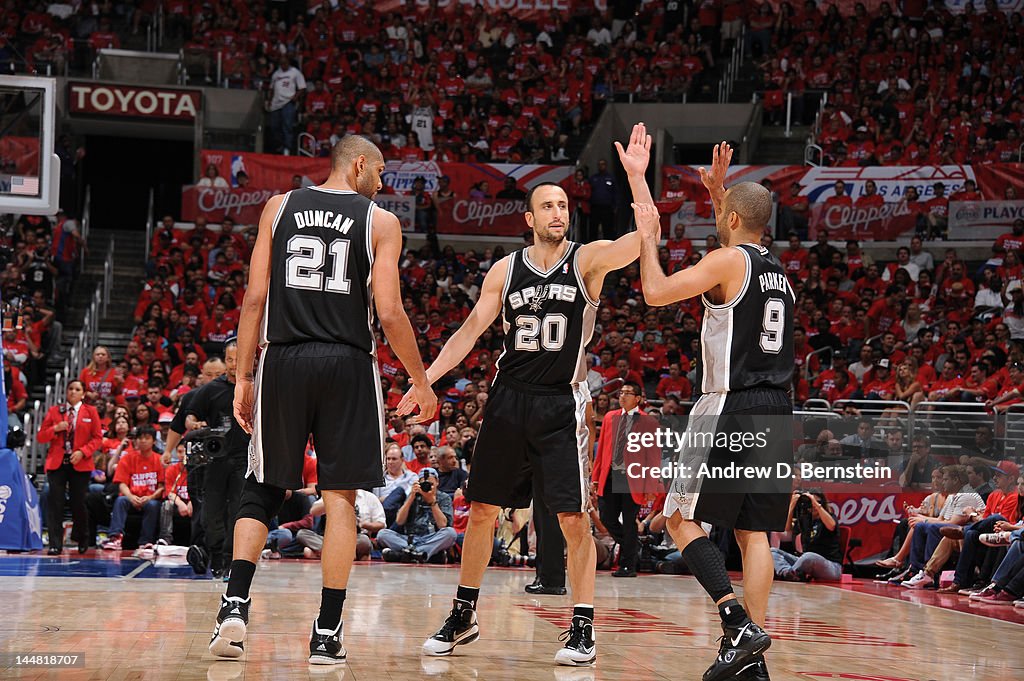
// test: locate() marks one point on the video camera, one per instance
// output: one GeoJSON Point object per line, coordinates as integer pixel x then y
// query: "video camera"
{"type": "Point", "coordinates": [204, 444]}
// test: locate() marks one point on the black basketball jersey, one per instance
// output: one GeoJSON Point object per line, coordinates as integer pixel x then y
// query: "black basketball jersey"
{"type": "Point", "coordinates": [320, 270]}
{"type": "Point", "coordinates": [748, 342]}
{"type": "Point", "coordinates": [548, 319]}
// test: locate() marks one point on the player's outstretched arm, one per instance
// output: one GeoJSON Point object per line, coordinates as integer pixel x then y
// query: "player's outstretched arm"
{"type": "Point", "coordinates": [598, 258]}
{"type": "Point", "coordinates": [487, 307]}
{"type": "Point", "coordinates": [387, 296]}
{"type": "Point", "coordinates": [712, 270]}
{"type": "Point", "coordinates": [252, 313]}
{"type": "Point", "coordinates": [721, 156]}
{"type": "Point", "coordinates": [635, 158]}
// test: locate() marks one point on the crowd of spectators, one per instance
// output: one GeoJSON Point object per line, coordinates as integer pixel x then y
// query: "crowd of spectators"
{"type": "Point", "coordinates": [39, 258]}
{"type": "Point", "coordinates": [910, 84]}
{"type": "Point", "coordinates": [453, 84]}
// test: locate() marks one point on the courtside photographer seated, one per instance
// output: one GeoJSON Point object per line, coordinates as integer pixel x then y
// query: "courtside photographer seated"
{"type": "Point", "coordinates": [424, 523]}
{"type": "Point", "coordinates": [817, 533]}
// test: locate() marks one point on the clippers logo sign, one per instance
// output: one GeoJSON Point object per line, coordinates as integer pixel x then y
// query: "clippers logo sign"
{"type": "Point", "coordinates": [130, 101]}
{"type": "Point", "coordinates": [400, 175]}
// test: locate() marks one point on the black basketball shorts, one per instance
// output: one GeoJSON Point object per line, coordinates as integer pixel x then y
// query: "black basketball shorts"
{"type": "Point", "coordinates": [529, 432]}
{"type": "Point", "coordinates": [757, 504]}
{"type": "Point", "coordinates": [330, 391]}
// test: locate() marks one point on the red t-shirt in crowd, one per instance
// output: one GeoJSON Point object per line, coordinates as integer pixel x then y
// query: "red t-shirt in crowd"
{"type": "Point", "coordinates": [143, 474]}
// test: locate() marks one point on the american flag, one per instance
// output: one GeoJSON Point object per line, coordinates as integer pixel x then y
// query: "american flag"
{"type": "Point", "coordinates": [25, 185]}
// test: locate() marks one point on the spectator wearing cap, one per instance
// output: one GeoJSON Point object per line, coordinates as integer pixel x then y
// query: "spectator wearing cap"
{"type": "Point", "coordinates": [287, 86]}
{"type": "Point", "coordinates": [1001, 509]}
{"type": "Point", "coordinates": [882, 385]}
{"type": "Point", "coordinates": [1013, 314]}
{"type": "Point", "coordinates": [424, 521]}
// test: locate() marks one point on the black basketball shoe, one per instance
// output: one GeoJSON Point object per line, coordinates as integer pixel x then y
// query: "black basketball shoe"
{"type": "Point", "coordinates": [756, 670]}
{"type": "Point", "coordinates": [740, 645]}
{"type": "Point", "coordinates": [580, 645]}
{"type": "Point", "coordinates": [458, 630]}
{"type": "Point", "coordinates": [229, 633]}
{"type": "Point", "coordinates": [325, 646]}
{"type": "Point", "coordinates": [198, 559]}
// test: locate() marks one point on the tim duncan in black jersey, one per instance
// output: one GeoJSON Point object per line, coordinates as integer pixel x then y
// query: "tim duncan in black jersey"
{"type": "Point", "coordinates": [745, 371]}
{"type": "Point", "coordinates": [535, 421]}
{"type": "Point", "coordinates": [325, 259]}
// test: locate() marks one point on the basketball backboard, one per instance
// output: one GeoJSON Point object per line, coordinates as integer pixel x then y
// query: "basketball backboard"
{"type": "Point", "coordinates": [29, 170]}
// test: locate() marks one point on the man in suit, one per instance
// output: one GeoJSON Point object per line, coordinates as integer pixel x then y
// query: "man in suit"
{"type": "Point", "coordinates": [620, 488]}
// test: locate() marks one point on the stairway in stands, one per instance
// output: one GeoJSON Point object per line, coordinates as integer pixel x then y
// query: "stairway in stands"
{"type": "Point", "coordinates": [114, 330]}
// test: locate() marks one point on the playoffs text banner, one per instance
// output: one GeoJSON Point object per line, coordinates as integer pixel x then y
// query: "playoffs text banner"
{"type": "Point", "coordinates": [983, 219]}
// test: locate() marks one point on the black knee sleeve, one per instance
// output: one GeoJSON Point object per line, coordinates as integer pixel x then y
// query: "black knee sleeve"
{"type": "Point", "coordinates": [259, 501]}
{"type": "Point", "coordinates": [707, 565]}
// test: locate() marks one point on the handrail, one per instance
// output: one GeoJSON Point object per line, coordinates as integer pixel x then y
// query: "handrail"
{"type": "Point", "coordinates": [108, 275]}
{"type": "Point", "coordinates": [28, 456]}
{"type": "Point", "coordinates": [817, 404]}
{"type": "Point", "coordinates": [304, 151]}
{"type": "Point", "coordinates": [86, 224]}
{"type": "Point", "coordinates": [731, 72]}
{"type": "Point", "coordinates": [813, 353]}
{"type": "Point", "coordinates": [808, 155]}
{"type": "Point", "coordinates": [150, 224]}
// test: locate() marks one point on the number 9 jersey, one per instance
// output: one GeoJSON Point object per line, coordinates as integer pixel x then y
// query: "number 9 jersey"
{"type": "Point", "coordinates": [748, 342]}
{"type": "Point", "coordinates": [321, 261]}
{"type": "Point", "coordinates": [548, 319]}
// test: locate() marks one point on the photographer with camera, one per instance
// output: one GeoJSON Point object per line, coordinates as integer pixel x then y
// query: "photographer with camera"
{"type": "Point", "coordinates": [818, 533]}
{"type": "Point", "coordinates": [426, 519]}
{"type": "Point", "coordinates": [215, 462]}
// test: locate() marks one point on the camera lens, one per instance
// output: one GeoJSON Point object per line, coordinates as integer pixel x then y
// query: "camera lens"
{"type": "Point", "coordinates": [426, 485]}
{"type": "Point", "coordinates": [214, 446]}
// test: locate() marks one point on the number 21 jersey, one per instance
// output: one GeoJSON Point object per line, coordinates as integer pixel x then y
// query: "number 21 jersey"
{"type": "Point", "coordinates": [321, 261]}
{"type": "Point", "coordinates": [748, 342]}
{"type": "Point", "coordinates": [548, 319]}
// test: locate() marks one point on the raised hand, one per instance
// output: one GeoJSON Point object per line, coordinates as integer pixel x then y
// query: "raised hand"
{"type": "Point", "coordinates": [634, 158]}
{"type": "Point", "coordinates": [648, 221]}
{"type": "Point", "coordinates": [721, 156]}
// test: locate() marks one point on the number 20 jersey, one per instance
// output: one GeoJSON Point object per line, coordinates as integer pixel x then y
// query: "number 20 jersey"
{"type": "Point", "coordinates": [321, 261]}
{"type": "Point", "coordinates": [548, 318]}
{"type": "Point", "coordinates": [748, 342]}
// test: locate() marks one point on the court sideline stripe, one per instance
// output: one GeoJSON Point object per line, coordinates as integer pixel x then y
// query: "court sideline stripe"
{"type": "Point", "coordinates": [138, 570]}
{"type": "Point", "coordinates": [987, 618]}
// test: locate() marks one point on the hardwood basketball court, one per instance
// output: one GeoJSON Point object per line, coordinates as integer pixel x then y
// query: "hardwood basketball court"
{"type": "Point", "coordinates": [135, 620]}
